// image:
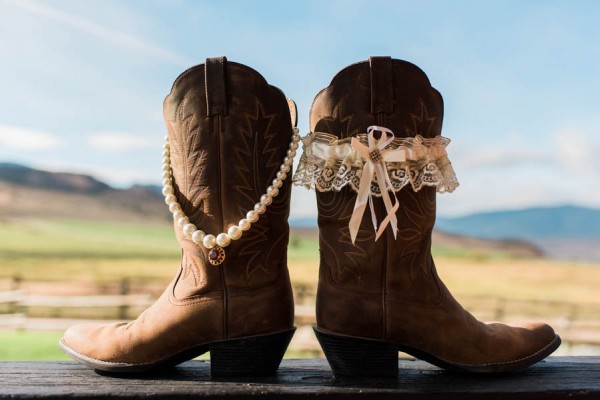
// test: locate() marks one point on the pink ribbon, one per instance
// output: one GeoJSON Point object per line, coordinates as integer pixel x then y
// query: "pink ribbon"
{"type": "Point", "coordinates": [374, 154]}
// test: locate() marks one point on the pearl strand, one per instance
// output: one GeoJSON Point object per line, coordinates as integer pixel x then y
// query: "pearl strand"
{"type": "Point", "coordinates": [223, 239]}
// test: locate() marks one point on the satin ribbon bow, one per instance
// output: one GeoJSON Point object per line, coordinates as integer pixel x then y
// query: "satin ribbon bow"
{"type": "Point", "coordinates": [374, 156]}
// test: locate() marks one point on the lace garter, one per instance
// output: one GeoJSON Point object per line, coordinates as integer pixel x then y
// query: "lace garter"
{"type": "Point", "coordinates": [374, 167]}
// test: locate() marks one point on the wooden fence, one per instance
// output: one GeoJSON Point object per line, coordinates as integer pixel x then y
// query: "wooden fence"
{"type": "Point", "coordinates": [17, 306]}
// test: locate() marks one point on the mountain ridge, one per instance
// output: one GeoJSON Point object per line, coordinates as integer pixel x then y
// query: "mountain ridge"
{"type": "Point", "coordinates": [62, 181]}
{"type": "Point", "coordinates": [32, 193]}
{"type": "Point", "coordinates": [550, 222]}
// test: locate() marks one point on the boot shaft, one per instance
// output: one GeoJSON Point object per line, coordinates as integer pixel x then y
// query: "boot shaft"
{"type": "Point", "coordinates": [229, 132]}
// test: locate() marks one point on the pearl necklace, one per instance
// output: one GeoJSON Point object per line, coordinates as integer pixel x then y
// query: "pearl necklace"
{"type": "Point", "coordinates": [216, 244]}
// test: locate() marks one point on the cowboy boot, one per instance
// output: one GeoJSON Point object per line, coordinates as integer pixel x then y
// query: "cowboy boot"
{"type": "Point", "coordinates": [375, 155]}
{"type": "Point", "coordinates": [229, 148]}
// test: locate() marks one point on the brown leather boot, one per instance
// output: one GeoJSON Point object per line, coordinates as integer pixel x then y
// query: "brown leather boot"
{"type": "Point", "coordinates": [378, 297]}
{"type": "Point", "coordinates": [230, 146]}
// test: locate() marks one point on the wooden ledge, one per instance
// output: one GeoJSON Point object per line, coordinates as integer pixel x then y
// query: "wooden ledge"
{"type": "Point", "coordinates": [555, 378]}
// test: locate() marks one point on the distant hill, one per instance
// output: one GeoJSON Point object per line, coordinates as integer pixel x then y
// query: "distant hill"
{"type": "Point", "coordinates": [566, 232]}
{"type": "Point", "coordinates": [62, 181]}
{"type": "Point", "coordinates": [568, 222]}
{"type": "Point", "coordinates": [30, 193]}
{"type": "Point", "coordinates": [156, 189]}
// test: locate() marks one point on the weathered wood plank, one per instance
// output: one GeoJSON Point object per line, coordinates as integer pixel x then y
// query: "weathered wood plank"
{"type": "Point", "coordinates": [556, 378]}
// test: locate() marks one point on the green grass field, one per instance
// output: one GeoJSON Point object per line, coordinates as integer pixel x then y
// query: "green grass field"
{"type": "Point", "coordinates": [89, 251]}
{"type": "Point", "coordinates": [29, 346]}
{"type": "Point", "coordinates": [69, 255]}
{"type": "Point", "coordinates": [100, 252]}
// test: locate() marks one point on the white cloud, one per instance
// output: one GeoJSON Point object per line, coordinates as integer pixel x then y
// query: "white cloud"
{"type": "Point", "coordinates": [577, 152]}
{"type": "Point", "coordinates": [119, 141]}
{"type": "Point", "coordinates": [99, 31]}
{"type": "Point", "coordinates": [508, 156]}
{"type": "Point", "coordinates": [17, 138]}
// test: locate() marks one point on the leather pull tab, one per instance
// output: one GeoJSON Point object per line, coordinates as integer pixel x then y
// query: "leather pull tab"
{"type": "Point", "coordinates": [382, 93]}
{"type": "Point", "coordinates": [214, 84]}
{"type": "Point", "coordinates": [293, 112]}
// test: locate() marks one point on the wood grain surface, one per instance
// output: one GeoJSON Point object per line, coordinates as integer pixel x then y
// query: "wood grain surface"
{"type": "Point", "coordinates": [555, 378]}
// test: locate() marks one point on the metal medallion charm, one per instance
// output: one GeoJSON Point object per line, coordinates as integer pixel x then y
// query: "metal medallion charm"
{"type": "Point", "coordinates": [216, 255]}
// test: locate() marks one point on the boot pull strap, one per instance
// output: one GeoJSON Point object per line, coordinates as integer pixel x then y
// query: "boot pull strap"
{"type": "Point", "coordinates": [293, 112]}
{"type": "Point", "coordinates": [382, 93]}
{"type": "Point", "coordinates": [214, 83]}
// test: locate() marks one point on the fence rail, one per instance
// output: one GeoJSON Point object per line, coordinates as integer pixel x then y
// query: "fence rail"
{"type": "Point", "coordinates": [17, 305]}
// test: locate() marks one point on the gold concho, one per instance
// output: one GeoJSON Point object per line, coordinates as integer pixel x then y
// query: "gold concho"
{"type": "Point", "coordinates": [216, 255]}
{"type": "Point", "coordinates": [375, 155]}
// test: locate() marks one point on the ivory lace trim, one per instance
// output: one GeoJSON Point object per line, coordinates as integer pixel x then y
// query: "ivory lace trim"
{"type": "Point", "coordinates": [329, 163]}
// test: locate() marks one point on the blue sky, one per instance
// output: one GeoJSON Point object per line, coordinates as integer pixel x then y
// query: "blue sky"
{"type": "Point", "coordinates": [83, 82]}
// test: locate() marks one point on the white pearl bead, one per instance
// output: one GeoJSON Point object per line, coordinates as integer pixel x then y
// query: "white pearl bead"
{"type": "Point", "coordinates": [166, 174]}
{"type": "Point", "coordinates": [209, 241]}
{"type": "Point", "coordinates": [174, 207]}
{"type": "Point", "coordinates": [170, 199]}
{"type": "Point", "coordinates": [234, 232]}
{"type": "Point", "coordinates": [166, 153]}
{"type": "Point", "coordinates": [181, 222]}
{"type": "Point", "coordinates": [244, 224]}
{"type": "Point", "coordinates": [166, 138]}
{"type": "Point", "coordinates": [167, 182]}
{"type": "Point", "coordinates": [272, 191]}
{"type": "Point", "coordinates": [286, 169]}
{"type": "Point", "coordinates": [277, 183]}
{"type": "Point", "coordinates": [166, 168]}
{"type": "Point", "coordinates": [286, 160]}
{"type": "Point", "coordinates": [252, 216]}
{"type": "Point", "coordinates": [294, 146]}
{"type": "Point", "coordinates": [291, 153]}
{"type": "Point", "coordinates": [178, 214]}
{"type": "Point", "coordinates": [223, 240]}
{"type": "Point", "coordinates": [266, 199]}
{"type": "Point", "coordinates": [166, 161]}
{"type": "Point", "coordinates": [188, 229]}
{"type": "Point", "coordinates": [166, 146]}
{"type": "Point", "coordinates": [260, 208]}
{"type": "Point", "coordinates": [296, 138]}
{"type": "Point", "coordinates": [281, 175]}
{"type": "Point", "coordinates": [198, 236]}
{"type": "Point", "coordinates": [167, 190]}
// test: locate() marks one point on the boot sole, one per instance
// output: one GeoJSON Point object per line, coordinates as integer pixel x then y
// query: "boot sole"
{"type": "Point", "coordinates": [360, 357]}
{"type": "Point", "coordinates": [258, 355]}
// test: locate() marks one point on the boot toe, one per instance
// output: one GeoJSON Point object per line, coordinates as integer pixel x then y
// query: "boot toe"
{"type": "Point", "coordinates": [94, 341]}
{"type": "Point", "coordinates": [78, 338]}
{"type": "Point", "coordinates": [539, 336]}
{"type": "Point", "coordinates": [521, 345]}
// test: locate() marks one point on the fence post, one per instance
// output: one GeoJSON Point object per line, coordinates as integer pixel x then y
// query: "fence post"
{"type": "Point", "coordinates": [123, 290]}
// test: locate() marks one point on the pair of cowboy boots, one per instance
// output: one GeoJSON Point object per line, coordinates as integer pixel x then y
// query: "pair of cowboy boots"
{"type": "Point", "coordinates": [376, 159]}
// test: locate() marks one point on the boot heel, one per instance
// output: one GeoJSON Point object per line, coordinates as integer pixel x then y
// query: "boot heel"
{"type": "Point", "coordinates": [250, 356]}
{"type": "Point", "coordinates": [356, 357]}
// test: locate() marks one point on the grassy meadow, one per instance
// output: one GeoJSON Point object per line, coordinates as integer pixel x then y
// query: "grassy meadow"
{"type": "Point", "coordinates": [79, 257]}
